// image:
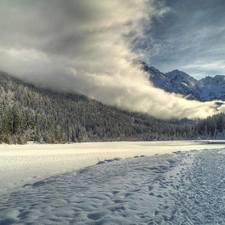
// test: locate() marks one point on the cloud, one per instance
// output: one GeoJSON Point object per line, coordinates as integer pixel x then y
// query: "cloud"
{"type": "Point", "coordinates": [200, 67]}
{"type": "Point", "coordinates": [88, 47]}
{"type": "Point", "coordinates": [191, 32]}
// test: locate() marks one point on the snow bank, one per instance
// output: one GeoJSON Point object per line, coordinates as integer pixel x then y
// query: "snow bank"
{"type": "Point", "coordinates": [177, 188]}
{"type": "Point", "coordinates": [22, 164]}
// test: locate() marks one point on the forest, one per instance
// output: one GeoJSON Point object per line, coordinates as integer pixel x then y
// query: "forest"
{"type": "Point", "coordinates": [29, 113]}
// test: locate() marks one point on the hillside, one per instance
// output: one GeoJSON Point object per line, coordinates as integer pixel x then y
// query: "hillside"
{"type": "Point", "coordinates": [28, 113]}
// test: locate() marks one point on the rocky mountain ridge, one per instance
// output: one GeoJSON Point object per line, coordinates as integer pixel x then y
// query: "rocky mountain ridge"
{"type": "Point", "coordinates": [179, 82]}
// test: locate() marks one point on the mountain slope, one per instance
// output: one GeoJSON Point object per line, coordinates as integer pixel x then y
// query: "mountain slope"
{"type": "Point", "coordinates": [28, 113]}
{"type": "Point", "coordinates": [183, 84]}
{"type": "Point", "coordinates": [212, 88]}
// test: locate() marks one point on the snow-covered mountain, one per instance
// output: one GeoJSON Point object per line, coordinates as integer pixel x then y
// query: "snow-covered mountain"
{"type": "Point", "coordinates": [212, 88]}
{"type": "Point", "coordinates": [184, 84]}
{"type": "Point", "coordinates": [206, 89]}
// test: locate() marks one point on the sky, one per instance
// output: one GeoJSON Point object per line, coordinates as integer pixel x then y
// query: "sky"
{"type": "Point", "coordinates": [89, 46]}
{"type": "Point", "coordinates": [189, 37]}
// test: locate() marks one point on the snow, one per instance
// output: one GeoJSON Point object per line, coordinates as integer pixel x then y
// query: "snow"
{"type": "Point", "coordinates": [113, 183]}
{"type": "Point", "coordinates": [206, 89]}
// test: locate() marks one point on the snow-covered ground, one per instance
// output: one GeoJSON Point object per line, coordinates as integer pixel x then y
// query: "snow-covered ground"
{"type": "Point", "coordinates": [132, 183]}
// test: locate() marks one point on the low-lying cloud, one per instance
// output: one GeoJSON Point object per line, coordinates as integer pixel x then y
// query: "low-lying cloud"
{"type": "Point", "coordinates": [86, 47]}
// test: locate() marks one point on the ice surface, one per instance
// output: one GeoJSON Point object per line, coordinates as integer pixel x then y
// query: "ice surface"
{"type": "Point", "coordinates": [176, 188]}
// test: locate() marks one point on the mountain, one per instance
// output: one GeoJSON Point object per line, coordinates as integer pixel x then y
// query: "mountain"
{"type": "Point", "coordinates": [206, 89]}
{"type": "Point", "coordinates": [182, 83]}
{"type": "Point", "coordinates": [29, 113]}
{"type": "Point", "coordinates": [212, 88]}
{"type": "Point", "coordinates": [179, 82]}
{"type": "Point", "coordinates": [159, 79]}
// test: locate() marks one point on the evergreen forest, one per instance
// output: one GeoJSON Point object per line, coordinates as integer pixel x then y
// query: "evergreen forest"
{"type": "Point", "coordinates": [29, 113]}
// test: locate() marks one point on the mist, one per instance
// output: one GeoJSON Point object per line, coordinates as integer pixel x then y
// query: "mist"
{"type": "Point", "coordinates": [88, 47]}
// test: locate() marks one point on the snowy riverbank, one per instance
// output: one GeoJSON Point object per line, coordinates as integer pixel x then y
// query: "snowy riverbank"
{"type": "Point", "coordinates": [177, 188]}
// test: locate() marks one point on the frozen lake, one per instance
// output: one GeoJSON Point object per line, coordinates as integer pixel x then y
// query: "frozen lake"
{"type": "Point", "coordinates": [22, 164]}
{"type": "Point", "coordinates": [182, 182]}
